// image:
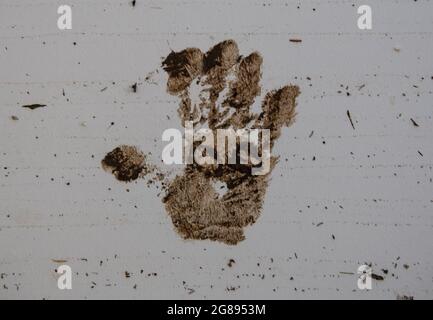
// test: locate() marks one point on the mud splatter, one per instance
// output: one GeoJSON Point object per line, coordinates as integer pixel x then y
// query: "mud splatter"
{"type": "Point", "coordinates": [126, 163]}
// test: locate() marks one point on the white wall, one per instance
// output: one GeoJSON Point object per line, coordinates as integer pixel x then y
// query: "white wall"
{"type": "Point", "coordinates": [369, 187]}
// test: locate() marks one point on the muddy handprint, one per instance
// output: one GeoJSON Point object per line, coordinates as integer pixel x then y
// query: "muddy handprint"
{"type": "Point", "coordinates": [217, 90]}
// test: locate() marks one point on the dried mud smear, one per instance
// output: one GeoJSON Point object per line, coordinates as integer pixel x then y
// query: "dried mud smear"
{"type": "Point", "coordinates": [126, 163]}
{"type": "Point", "coordinates": [197, 210]}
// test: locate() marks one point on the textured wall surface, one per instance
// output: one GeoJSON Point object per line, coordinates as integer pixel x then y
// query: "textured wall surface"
{"type": "Point", "coordinates": [340, 196]}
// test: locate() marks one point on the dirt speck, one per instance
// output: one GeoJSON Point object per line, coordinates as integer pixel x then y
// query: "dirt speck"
{"type": "Point", "coordinates": [415, 124]}
{"type": "Point", "coordinates": [231, 263]}
{"type": "Point", "coordinates": [350, 119]}
{"type": "Point", "coordinates": [34, 106]}
{"type": "Point", "coordinates": [377, 277]}
{"type": "Point", "coordinates": [134, 87]}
